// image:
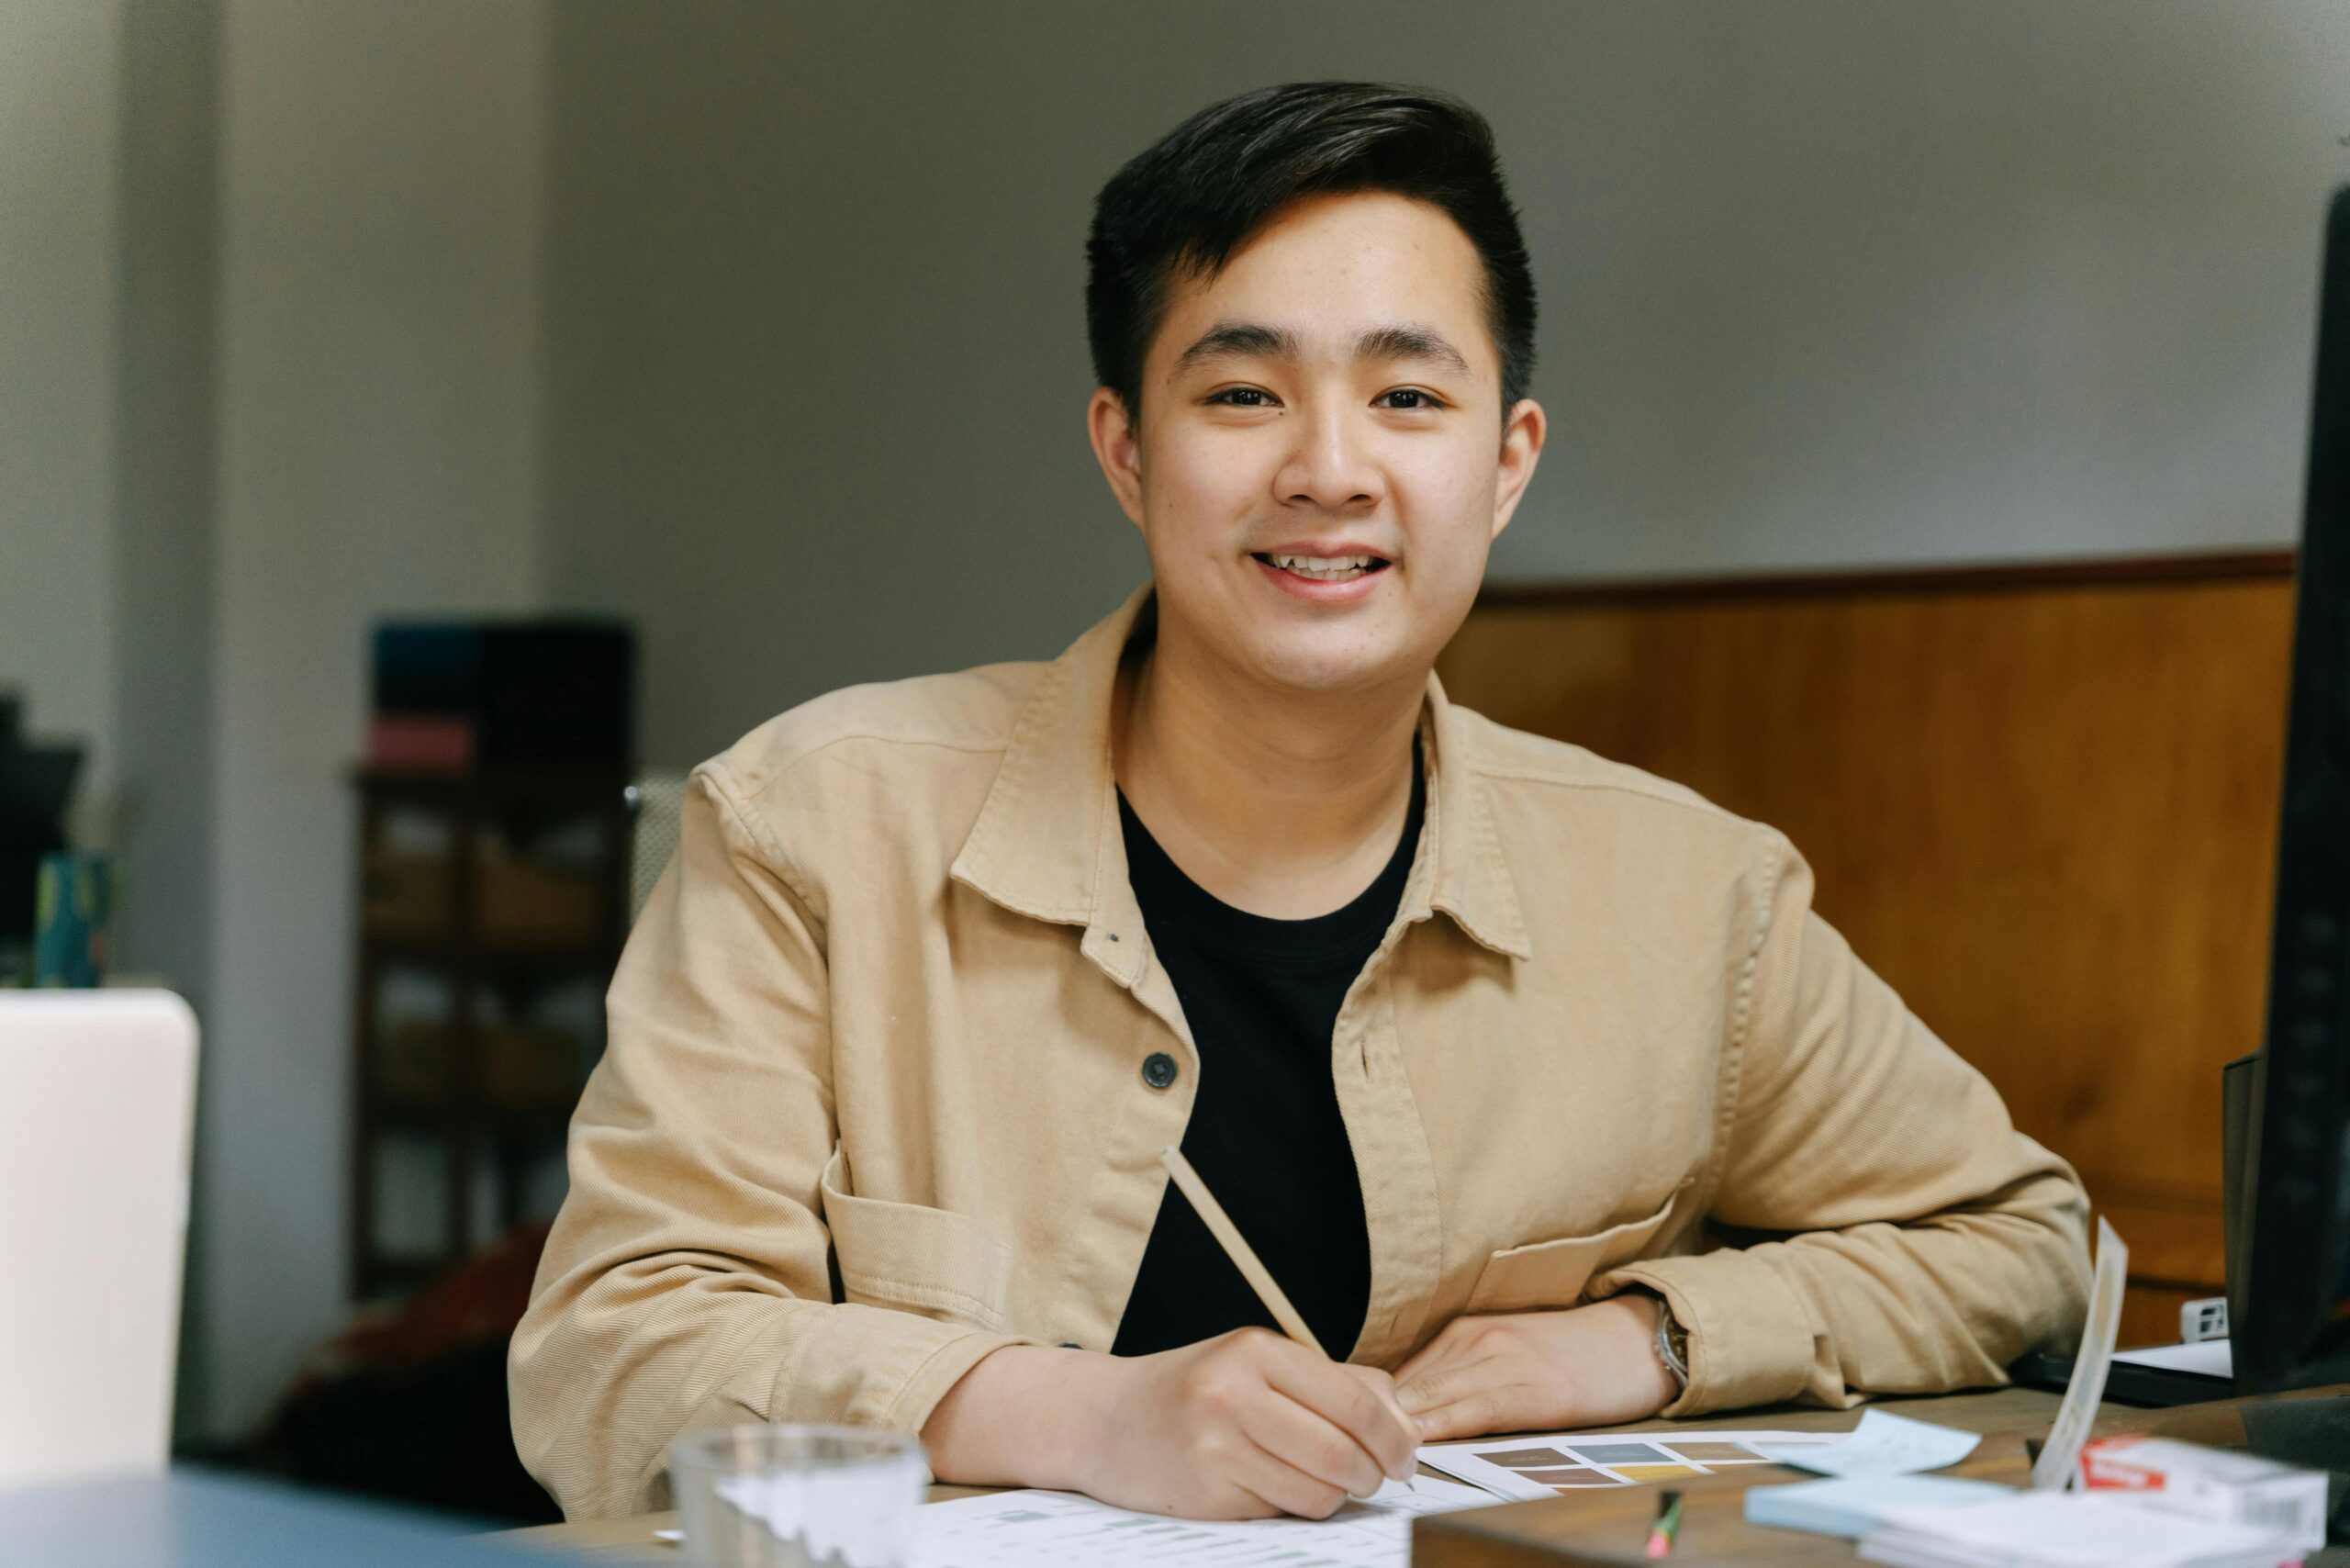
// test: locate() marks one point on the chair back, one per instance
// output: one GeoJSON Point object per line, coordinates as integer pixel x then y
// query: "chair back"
{"type": "Point", "coordinates": [97, 1122]}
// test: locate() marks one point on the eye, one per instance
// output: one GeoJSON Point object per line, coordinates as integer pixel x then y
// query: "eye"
{"type": "Point", "coordinates": [1407, 398]}
{"type": "Point", "coordinates": [1242, 398]}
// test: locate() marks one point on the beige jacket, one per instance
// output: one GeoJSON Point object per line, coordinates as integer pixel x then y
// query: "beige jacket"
{"type": "Point", "coordinates": [873, 1104]}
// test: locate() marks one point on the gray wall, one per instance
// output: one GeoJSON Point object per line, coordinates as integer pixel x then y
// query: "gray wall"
{"type": "Point", "coordinates": [166, 278]}
{"type": "Point", "coordinates": [109, 180]}
{"type": "Point", "coordinates": [60, 90]}
{"type": "Point", "coordinates": [1825, 282]}
{"type": "Point", "coordinates": [378, 396]}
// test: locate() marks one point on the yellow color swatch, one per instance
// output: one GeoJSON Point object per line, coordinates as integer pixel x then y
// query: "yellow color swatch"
{"type": "Point", "coordinates": [1654, 1472]}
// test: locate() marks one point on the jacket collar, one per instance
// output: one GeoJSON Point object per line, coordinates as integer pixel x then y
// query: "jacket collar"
{"type": "Point", "coordinates": [1048, 843]}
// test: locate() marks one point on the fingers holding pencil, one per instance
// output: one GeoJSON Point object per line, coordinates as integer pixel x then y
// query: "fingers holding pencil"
{"type": "Point", "coordinates": [1392, 1447]}
{"type": "Point", "coordinates": [1359, 1400]}
{"type": "Point", "coordinates": [1242, 1426]}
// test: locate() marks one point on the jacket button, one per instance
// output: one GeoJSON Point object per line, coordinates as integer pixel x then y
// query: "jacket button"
{"type": "Point", "coordinates": [1159, 1069]}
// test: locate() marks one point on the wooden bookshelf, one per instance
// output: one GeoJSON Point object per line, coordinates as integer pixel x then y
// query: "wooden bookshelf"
{"type": "Point", "coordinates": [486, 894]}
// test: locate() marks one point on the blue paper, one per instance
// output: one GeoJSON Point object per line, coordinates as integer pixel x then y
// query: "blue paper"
{"type": "Point", "coordinates": [1853, 1506]}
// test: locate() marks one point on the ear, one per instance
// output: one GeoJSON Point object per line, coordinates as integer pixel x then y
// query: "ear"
{"type": "Point", "coordinates": [1117, 446]}
{"type": "Point", "coordinates": [1521, 449]}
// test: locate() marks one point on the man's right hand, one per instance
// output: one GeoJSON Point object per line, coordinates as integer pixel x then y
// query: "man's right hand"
{"type": "Point", "coordinates": [1246, 1425]}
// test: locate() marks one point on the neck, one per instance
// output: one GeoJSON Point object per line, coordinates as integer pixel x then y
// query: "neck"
{"type": "Point", "coordinates": [1280, 802]}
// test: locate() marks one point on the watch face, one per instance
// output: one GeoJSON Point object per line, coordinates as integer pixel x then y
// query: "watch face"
{"type": "Point", "coordinates": [1671, 1344]}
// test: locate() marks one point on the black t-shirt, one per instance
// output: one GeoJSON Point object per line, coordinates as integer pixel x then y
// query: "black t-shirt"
{"type": "Point", "coordinates": [1262, 999]}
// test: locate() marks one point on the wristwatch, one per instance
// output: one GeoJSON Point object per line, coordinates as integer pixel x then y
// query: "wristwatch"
{"type": "Point", "coordinates": [1671, 1343]}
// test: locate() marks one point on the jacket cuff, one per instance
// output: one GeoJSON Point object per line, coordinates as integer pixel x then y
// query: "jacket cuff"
{"type": "Point", "coordinates": [1752, 1341]}
{"type": "Point", "coordinates": [871, 1366]}
{"type": "Point", "coordinates": [932, 1381]}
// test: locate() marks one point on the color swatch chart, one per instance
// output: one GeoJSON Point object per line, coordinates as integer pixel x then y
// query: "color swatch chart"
{"type": "Point", "coordinates": [1576, 1461]}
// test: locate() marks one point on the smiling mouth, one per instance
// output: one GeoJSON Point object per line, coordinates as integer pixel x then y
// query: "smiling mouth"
{"type": "Point", "coordinates": [1325, 569]}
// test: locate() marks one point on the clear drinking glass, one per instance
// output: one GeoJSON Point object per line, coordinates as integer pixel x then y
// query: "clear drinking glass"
{"type": "Point", "coordinates": [778, 1497]}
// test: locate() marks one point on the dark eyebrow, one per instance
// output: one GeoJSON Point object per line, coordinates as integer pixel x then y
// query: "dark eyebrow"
{"type": "Point", "coordinates": [1251, 340]}
{"type": "Point", "coordinates": [1240, 340]}
{"type": "Point", "coordinates": [1410, 342]}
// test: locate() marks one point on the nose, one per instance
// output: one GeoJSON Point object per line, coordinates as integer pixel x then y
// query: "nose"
{"type": "Point", "coordinates": [1329, 468]}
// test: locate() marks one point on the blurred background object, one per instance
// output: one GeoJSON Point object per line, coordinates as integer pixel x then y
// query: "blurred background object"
{"type": "Point", "coordinates": [408, 1401]}
{"type": "Point", "coordinates": [35, 782]}
{"type": "Point", "coordinates": [451, 697]}
{"type": "Point", "coordinates": [495, 822]}
{"type": "Point", "coordinates": [72, 902]}
{"type": "Point", "coordinates": [492, 909]}
{"type": "Point", "coordinates": [658, 797]}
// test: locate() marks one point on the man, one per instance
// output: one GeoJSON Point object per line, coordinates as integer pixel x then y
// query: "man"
{"type": "Point", "coordinates": [1482, 1040]}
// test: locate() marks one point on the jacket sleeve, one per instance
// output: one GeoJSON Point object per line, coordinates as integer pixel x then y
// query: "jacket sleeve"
{"type": "Point", "coordinates": [687, 1280]}
{"type": "Point", "coordinates": [1911, 1239]}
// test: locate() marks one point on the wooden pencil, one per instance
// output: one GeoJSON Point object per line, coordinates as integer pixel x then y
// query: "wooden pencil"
{"type": "Point", "coordinates": [1237, 1248]}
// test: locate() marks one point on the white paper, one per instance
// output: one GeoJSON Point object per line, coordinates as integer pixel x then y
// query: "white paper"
{"type": "Point", "coordinates": [2059, 1463]}
{"type": "Point", "coordinates": [2093, 1530]}
{"type": "Point", "coordinates": [2212, 1358]}
{"type": "Point", "coordinates": [1557, 1462]}
{"type": "Point", "coordinates": [1061, 1529]}
{"type": "Point", "coordinates": [1882, 1444]}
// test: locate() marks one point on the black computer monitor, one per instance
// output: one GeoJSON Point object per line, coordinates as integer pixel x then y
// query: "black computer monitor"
{"type": "Point", "coordinates": [2295, 1327]}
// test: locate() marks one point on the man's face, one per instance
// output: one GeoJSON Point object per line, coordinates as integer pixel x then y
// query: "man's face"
{"type": "Point", "coordinates": [1323, 462]}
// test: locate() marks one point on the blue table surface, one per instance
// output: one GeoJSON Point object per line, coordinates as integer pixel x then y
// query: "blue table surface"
{"type": "Point", "coordinates": [194, 1518]}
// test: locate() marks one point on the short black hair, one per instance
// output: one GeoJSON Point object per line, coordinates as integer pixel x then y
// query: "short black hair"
{"type": "Point", "coordinates": [1185, 204]}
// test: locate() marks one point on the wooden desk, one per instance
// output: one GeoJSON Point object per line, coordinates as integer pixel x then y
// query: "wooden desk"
{"type": "Point", "coordinates": [2006, 1417]}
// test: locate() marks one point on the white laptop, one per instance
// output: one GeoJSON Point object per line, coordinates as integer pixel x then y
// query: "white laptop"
{"type": "Point", "coordinates": [97, 1112]}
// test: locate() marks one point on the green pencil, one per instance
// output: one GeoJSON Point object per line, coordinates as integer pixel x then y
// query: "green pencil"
{"type": "Point", "coordinates": [1667, 1526]}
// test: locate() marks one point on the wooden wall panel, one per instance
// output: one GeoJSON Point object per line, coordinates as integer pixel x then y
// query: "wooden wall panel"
{"type": "Point", "coordinates": [2043, 806]}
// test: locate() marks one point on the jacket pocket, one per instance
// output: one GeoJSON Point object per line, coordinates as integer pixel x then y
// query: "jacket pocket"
{"type": "Point", "coordinates": [934, 1261]}
{"type": "Point", "coordinates": [1545, 1276]}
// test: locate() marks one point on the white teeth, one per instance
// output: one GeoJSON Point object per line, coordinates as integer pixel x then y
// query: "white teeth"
{"type": "Point", "coordinates": [1325, 569]}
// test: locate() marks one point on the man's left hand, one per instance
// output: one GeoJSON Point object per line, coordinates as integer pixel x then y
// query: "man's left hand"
{"type": "Point", "coordinates": [1589, 1366]}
